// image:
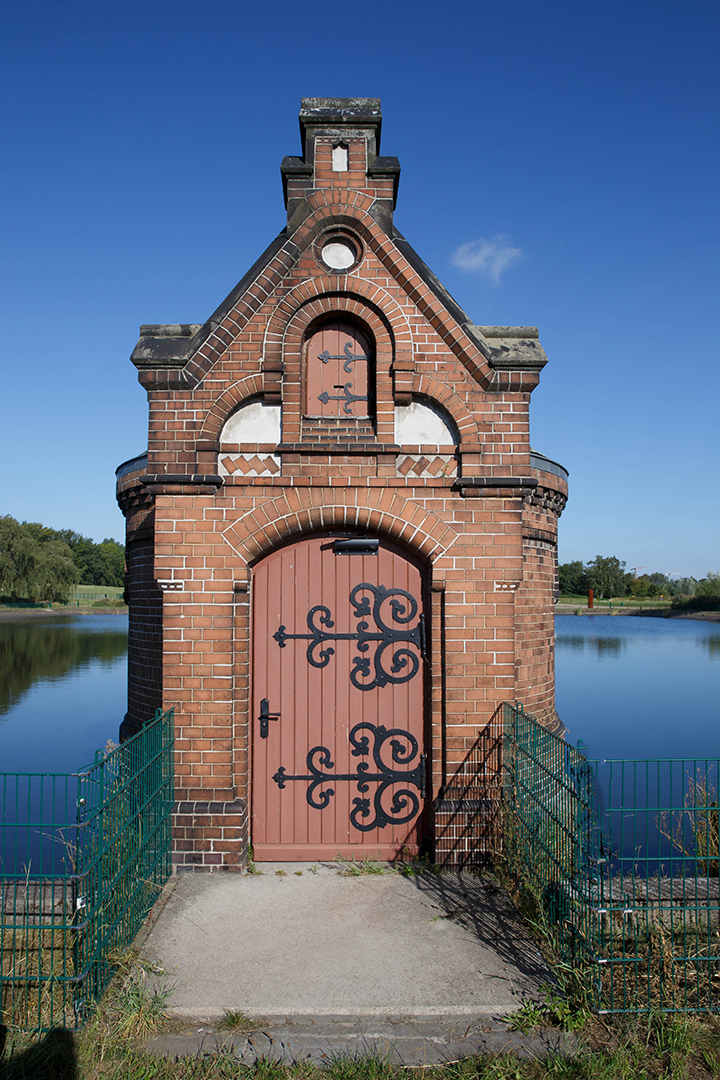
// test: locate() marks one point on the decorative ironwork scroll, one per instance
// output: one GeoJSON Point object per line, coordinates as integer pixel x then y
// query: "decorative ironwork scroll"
{"type": "Point", "coordinates": [347, 396]}
{"type": "Point", "coordinates": [348, 356]}
{"type": "Point", "coordinates": [392, 661]}
{"type": "Point", "coordinates": [388, 807]}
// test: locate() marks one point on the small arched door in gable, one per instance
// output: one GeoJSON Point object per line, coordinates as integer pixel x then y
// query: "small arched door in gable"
{"type": "Point", "coordinates": [338, 752]}
{"type": "Point", "coordinates": [338, 373]}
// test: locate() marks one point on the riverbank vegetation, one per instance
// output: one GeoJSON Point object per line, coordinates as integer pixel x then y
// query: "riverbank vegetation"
{"type": "Point", "coordinates": [39, 564]}
{"type": "Point", "coordinates": [607, 577]}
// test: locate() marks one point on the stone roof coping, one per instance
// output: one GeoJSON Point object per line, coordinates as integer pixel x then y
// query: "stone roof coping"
{"type": "Point", "coordinates": [508, 331]}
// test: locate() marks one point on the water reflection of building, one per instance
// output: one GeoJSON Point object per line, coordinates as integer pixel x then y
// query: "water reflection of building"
{"type": "Point", "coordinates": [338, 421]}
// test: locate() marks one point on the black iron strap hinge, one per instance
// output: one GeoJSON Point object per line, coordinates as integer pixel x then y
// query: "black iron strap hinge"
{"type": "Point", "coordinates": [393, 801]}
{"type": "Point", "coordinates": [392, 661]}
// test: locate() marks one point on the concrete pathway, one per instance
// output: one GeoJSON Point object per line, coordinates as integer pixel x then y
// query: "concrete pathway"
{"type": "Point", "coordinates": [326, 962]}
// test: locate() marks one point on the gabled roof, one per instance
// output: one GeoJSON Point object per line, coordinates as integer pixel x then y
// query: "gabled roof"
{"type": "Point", "coordinates": [163, 347]}
{"type": "Point", "coordinates": [185, 352]}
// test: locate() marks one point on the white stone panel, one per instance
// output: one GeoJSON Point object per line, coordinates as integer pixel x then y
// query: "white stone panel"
{"type": "Point", "coordinates": [340, 159]}
{"type": "Point", "coordinates": [255, 422]}
{"type": "Point", "coordinates": [421, 423]}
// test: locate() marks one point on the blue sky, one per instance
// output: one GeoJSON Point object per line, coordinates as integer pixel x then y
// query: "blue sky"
{"type": "Point", "coordinates": [560, 169]}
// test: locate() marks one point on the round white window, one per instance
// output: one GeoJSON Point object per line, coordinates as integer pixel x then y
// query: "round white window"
{"type": "Point", "coordinates": [338, 255]}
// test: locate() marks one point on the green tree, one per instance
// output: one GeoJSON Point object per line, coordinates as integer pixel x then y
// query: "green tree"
{"type": "Point", "coordinates": [645, 585]}
{"type": "Point", "coordinates": [605, 574]}
{"type": "Point", "coordinates": [112, 559]}
{"type": "Point", "coordinates": [98, 564]}
{"type": "Point", "coordinates": [34, 564]}
{"type": "Point", "coordinates": [710, 585]}
{"type": "Point", "coordinates": [572, 579]}
{"type": "Point", "coordinates": [88, 561]}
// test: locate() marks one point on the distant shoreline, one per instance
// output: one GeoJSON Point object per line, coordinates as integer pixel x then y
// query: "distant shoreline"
{"type": "Point", "coordinates": [12, 614]}
{"type": "Point", "coordinates": [657, 613]}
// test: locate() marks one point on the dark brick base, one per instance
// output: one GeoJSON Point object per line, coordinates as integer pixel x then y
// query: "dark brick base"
{"type": "Point", "coordinates": [467, 827]}
{"type": "Point", "coordinates": [210, 836]}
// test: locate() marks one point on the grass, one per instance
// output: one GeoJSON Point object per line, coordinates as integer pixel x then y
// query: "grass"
{"type": "Point", "coordinates": [654, 1047]}
{"type": "Point", "coordinates": [96, 592]}
{"type": "Point", "coordinates": [361, 867]}
{"type": "Point", "coordinates": [237, 1021]}
{"type": "Point", "coordinates": [577, 600]}
{"type": "Point", "coordinates": [36, 954]}
{"type": "Point", "coordinates": [250, 867]}
{"type": "Point", "coordinates": [554, 1011]}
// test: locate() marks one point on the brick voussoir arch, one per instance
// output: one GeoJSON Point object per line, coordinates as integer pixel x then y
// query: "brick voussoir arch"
{"type": "Point", "coordinates": [301, 511]}
{"type": "Point", "coordinates": [226, 403]}
{"type": "Point", "coordinates": [427, 386]}
{"type": "Point", "coordinates": [333, 305]}
{"type": "Point", "coordinates": [329, 215]}
{"type": "Point", "coordinates": [332, 289]}
{"type": "Point", "coordinates": [349, 196]}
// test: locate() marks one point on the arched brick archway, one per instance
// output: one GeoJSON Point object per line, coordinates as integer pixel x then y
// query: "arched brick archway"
{"type": "Point", "coordinates": [426, 386]}
{"type": "Point", "coordinates": [371, 321]}
{"type": "Point", "coordinates": [303, 510]}
{"type": "Point", "coordinates": [225, 404]}
{"type": "Point", "coordinates": [327, 294]}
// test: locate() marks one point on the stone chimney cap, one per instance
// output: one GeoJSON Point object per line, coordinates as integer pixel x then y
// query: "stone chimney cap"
{"type": "Point", "coordinates": [341, 112]}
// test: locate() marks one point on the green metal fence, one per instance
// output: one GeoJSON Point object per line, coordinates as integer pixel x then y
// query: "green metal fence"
{"type": "Point", "coordinates": [83, 857]}
{"type": "Point", "coordinates": [620, 861]}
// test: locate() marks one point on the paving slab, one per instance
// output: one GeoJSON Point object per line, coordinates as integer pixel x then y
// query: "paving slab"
{"type": "Point", "coordinates": [325, 962]}
{"type": "Point", "coordinates": [404, 1041]}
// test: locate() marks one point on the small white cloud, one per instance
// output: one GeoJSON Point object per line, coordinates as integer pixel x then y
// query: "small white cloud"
{"type": "Point", "coordinates": [490, 257]}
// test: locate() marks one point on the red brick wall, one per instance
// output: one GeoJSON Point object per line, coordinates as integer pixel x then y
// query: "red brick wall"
{"type": "Point", "coordinates": [535, 600]}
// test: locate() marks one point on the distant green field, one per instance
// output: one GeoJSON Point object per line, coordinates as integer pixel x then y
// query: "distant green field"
{"type": "Point", "coordinates": [616, 601]}
{"type": "Point", "coordinates": [91, 593]}
{"type": "Point", "coordinates": [82, 594]}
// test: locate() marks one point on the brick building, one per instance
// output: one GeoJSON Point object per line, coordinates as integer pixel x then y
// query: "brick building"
{"type": "Point", "coordinates": [341, 548]}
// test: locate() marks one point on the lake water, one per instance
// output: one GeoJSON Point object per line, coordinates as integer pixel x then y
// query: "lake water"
{"type": "Point", "coordinates": [628, 687]}
{"type": "Point", "coordinates": [63, 690]}
{"type": "Point", "coordinates": [632, 687]}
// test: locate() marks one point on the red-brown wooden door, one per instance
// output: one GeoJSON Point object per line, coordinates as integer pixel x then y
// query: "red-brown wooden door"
{"type": "Point", "coordinates": [337, 379]}
{"type": "Point", "coordinates": [338, 703]}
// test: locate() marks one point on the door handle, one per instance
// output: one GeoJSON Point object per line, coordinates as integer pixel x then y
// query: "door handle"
{"type": "Point", "coordinates": [264, 718]}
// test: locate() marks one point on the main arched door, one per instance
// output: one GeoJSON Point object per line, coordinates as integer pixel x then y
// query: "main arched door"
{"type": "Point", "coordinates": [339, 764]}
